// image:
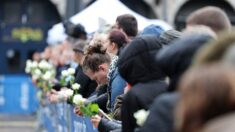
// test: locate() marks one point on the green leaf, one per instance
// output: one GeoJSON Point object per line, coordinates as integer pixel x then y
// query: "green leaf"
{"type": "Point", "coordinates": [85, 111]}
{"type": "Point", "coordinates": [94, 108]}
{"type": "Point", "coordinates": [70, 100]}
{"type": "Point", "coordinates": [89, 110]}
{"type": "Point", "coordinates": [62, 81]}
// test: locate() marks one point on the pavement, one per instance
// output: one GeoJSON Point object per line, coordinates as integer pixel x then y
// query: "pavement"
{"type": "Point", "coordinates": [18, 123]}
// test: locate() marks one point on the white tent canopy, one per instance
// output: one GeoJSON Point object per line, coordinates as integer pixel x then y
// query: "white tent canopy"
{"type": "Point", "coordinates": [101, 11]}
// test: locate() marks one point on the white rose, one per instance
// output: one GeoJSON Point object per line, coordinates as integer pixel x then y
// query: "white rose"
{"type": "Point", "coordinates": [27, 70]}
{"type": "Point", "coordinates": [78, 99]}
{"type": "Point", "coordinates": [29, 63]}
{"type": "Point", "coordinates": [76, 86]}
{"type": "Point", "coordinates": [64, 73]}
{"type": "Point", "coordinates": [71, 71]}
{"type": "Point", "coordinates": [47, 75]}
{"type": "Point", "coordinates": [37, 72]}
{"type": "Point", "coordinates": [141, 116]}
{"type": "Point", "coordinates": [34, 64]}
{"type": "Point", "coordinates": [68, 92]}
{"type": "Point", "coordinates": [49, 66]}
{"type": "Point", "coordinates": [43, 64]}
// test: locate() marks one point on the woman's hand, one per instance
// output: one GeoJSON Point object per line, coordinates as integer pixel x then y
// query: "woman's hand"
{"type": "Point", "coordinates": [52, 96]}
{"type": "Point", "coordinates": [77, 111]}
{"type": "Point", "coordinates": [95, 120]}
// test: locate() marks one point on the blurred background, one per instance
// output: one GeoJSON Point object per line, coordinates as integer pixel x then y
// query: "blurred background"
{"type": "Point", "coordinates": [24, 26]}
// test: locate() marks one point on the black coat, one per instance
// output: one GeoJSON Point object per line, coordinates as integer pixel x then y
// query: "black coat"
{"type": "Point", "coordinates": [88, 86]}
{"type": "Point", "coordinates": [141, 96]}
{"type": "Point", "coordinates": [107, 126]}
{"type": "Point", "coordinates": [138, 67]}
{"type": "Point", "coordinates": [161, 117]}
{"type": "Point", "coordinates": [174, 60]}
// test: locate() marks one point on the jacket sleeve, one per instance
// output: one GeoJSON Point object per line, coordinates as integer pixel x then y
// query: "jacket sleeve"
{"type": "Point", "coordinates": [101, 101]}
{"type": "Point", "coordinates": [107, 126]}
{"type": "Point", "coordinates": [129, 107]}
{"type": "Point", "coordinates": [117, 88]}
{"type": "Point", "coordinates": [87, 86]}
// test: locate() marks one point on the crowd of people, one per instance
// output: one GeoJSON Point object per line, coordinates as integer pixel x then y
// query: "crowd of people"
{"type": "Point", "coordinates": [183, 79]}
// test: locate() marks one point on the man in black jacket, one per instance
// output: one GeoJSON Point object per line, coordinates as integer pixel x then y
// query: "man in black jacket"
{"type": "Point", "coordinates": [138, 67]}
{"type": "Point", "coordinates": [174, 60]}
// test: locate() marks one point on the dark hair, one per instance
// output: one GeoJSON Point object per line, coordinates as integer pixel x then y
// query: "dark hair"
{"type": "Point", "coordinates": [118, 38]}
{"type": "Point", "coordinates": [95, 55]}
{"type": "Point", "coordinates": [74, 30]}
{"type": "Point", "coordinates": [128, 23]}
{"type": "Point", "coordinates": [206, 92]}
{"type": "Point", "coordinates": [210, 16]}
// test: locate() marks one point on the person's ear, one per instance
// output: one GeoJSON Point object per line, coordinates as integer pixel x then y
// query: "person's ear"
{"type": "Point", "coordinates": [113, 46]}
{"type": "Point", "coordinates": [102, 67]}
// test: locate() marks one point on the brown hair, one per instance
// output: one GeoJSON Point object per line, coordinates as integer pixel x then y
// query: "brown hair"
{"type": "Point", "coordinates": [206, 92]}
{"type": "Point", "coordinates": [95, 55]}
{"type": "Point", "coordinates": [128, 23]}
{"type": "Point", "coordinates": [213, 17]}
{"type": "Point", "coordinates": [118, 38]}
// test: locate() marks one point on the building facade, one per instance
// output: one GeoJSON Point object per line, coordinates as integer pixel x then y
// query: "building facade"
{"type": "Point", "coordinates": [176, 12]}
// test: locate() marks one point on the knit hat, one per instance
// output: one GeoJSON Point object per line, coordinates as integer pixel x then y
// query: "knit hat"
{"type": "Point", "coordinates": [152, 30]}
{"type": "Point", "coordinates": [168, 36]}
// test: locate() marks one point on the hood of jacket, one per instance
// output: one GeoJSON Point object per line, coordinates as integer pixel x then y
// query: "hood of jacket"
{"type": "Point", "coordinates": [137, 62]}
{"type": "Point", "coordinates": [175, 59]}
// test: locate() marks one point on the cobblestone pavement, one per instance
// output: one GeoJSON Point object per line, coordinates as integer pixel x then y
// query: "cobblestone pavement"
{"type": "Point", "coordinates": [18, 123]}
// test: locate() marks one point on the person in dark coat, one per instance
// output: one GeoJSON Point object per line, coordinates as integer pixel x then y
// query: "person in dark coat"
{"type": "Point", "coordinates": [137, 66]}
{"type": "Point", "coordinates": [174, 60]}
{"type": "Point", "coordinates": [88, 86]}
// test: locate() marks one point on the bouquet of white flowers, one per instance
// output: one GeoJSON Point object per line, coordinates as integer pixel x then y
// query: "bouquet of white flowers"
{"type": "Point", "coordinates": [70, 93]}
{"type": "Point", "coordinates": [43, 73]}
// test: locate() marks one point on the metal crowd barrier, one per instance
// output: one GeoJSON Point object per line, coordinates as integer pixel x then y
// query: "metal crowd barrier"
{"type": "Point", "coordinates": [60, 117]}
{"type": "Point", "coordinates": [19, 96]}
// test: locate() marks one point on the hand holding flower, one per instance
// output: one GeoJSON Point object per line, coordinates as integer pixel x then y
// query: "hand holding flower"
{"type": "Point", "coordinates": [95, 120]}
